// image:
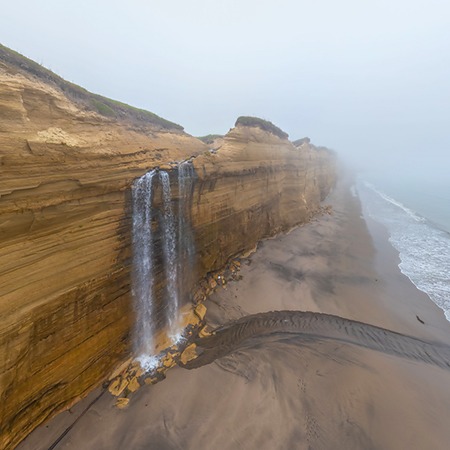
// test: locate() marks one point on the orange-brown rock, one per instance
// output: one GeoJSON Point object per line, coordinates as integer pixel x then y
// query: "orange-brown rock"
{"type": "Point", "coordinates": [65, 305]}
{"type": "Point", "coordinates": [200, 311]}
{"type": "Point", "coordinates": [255, 186]}
{"type": "Point", "coordinates": [65, 173]}
{"type": "Point", "coordinates": [122, 402]}
{"type": "Point", "coordinates": [188, 354]}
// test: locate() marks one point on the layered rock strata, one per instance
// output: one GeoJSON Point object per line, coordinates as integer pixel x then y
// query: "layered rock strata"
{"type": "Point", "coordinates": [65, 303]}
{"type": "Point", "coordinates": [65, 219]}
{"type": "Point", "coordinates": [254, 186]}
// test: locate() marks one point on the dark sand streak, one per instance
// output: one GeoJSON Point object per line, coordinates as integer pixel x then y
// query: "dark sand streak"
{"type": "Point", "coordinates": [247, 332]}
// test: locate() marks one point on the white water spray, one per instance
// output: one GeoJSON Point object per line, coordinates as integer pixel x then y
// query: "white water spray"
{"type": "Point", "coordinates": [170, 256]}
{"type": "Point", "coordinates": [177, 245]}
{"type": "Point", "coordinates": [142, 270]}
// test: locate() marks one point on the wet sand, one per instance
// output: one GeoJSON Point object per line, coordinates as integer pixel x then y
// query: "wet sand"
{"type": "Point", "coordinates": [291, 380]}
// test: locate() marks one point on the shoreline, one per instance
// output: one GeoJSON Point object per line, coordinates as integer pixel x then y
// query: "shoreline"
{"type": "Point", "coordinates": [402, 259]}
{"type": "Point", "coordinates": [444, 312]}
{"type": "Point", "coordinates": [426, 307]}
{"type": "Point", "coordinates": [293, 393]}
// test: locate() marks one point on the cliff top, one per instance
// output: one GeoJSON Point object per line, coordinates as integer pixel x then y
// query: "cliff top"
{"type": "Point", "coordinates": [210, 138]}
{"type": "Point", "coordinates": [87, 100]}
{"type": "Point", "coordinates": [248, 121]}
{"type": "Point", "coordinates": [298, 142]}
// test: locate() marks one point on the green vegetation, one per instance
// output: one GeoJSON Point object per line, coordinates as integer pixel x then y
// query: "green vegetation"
{"type": "Point", "coordinates": [103, 109]}
{"type": "Point", "coordinates": [102, 105]}
{"type": "Point", "coordinates": [209, 138]}
{"type": "Point", "coordinates": [248, 121]}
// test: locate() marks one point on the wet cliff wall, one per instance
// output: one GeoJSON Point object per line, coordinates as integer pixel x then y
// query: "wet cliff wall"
{"type": "Point", "coordinates": [65, 307]}
{"type": "Point", "coordinates": [254, 185]}
{"type": "Point", "coordinates": [65, 219]}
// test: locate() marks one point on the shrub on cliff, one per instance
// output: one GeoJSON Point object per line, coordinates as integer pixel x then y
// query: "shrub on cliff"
{"type": "Point", "coordinates": [298, 142]}
{"type": "Point", "coordinates": [248, 121]}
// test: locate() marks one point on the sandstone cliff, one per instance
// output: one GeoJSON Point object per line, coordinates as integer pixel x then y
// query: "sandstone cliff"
{"type": "Point", "coordinates": [65, 303]}
{"type": "Point", "coordinates": [256, 185]}
{"type": "Point", "coordinates": [64, 278]}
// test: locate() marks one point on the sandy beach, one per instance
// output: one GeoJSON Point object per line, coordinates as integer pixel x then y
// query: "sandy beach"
{"type": "Point", "coordinates": [283, 382]}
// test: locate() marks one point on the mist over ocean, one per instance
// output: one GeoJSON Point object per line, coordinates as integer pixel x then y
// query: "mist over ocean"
{"type": "Point", "coordinates": [415, 209]}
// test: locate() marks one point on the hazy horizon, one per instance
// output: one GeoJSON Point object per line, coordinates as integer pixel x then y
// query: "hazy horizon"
{"type": "Point", "coordinates": [368, 80]}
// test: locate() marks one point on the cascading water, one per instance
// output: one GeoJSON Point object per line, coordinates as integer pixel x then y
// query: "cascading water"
{"type": "Point", "coordinates": [186, 249]}
{"type": "Point", "coordinates": [170, 256]}
{"type": "Point", "coordinates": [142, 270]}
{"type": "Point", "coordinates": [178, 253]}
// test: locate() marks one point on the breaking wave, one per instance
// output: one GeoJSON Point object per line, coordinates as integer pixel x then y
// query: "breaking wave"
{"type": "Point", "coordinates": [424, 248]}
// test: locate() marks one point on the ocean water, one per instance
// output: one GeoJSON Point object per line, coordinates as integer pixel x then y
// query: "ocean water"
{"type": "Point", "coordinates": [417, 217]}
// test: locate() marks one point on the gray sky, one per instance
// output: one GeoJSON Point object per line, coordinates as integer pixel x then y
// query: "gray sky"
{"type": "Point", "coordinates": [367, 78]}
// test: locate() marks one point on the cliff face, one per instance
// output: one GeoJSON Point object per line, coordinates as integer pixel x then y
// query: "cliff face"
{"type": "Point", "coordinates": [65, 305]}
{"type": "Point", "coordinates": [256, 185]}
{"type": "Point", "coordinates": [65, 219]}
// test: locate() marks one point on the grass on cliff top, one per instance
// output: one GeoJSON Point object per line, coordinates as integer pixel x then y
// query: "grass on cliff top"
{"type": "Point", "coordinates": [209, 138]}
{"type": "Point", "coordinates": [307, 140]}
{"type": "Point", "coordinates": [102, 105]}
{"type": "Point", "coordinates": [248, 121]}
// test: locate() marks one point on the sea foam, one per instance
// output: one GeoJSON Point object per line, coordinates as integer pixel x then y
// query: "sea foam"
{"type": "Point", "coordinates": [423, 247]}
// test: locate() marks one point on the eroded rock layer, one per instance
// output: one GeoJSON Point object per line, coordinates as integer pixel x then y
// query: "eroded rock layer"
{"type": "Point", "coordinates": [65, 219]}
{"type": "Point", "coordinates": [65, 304]}
{"type": "Point", "coordinates": [256, 185]}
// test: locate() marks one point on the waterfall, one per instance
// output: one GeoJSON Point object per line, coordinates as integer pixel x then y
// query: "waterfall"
{"type": "Point", "coordinates": [142, 269]}
{"type": "Point", "coordinates": [178, 253]}
{"type": "Point", "coordinates": [186, 249]}
{"type": "Point", "coordinates": [170, 255]}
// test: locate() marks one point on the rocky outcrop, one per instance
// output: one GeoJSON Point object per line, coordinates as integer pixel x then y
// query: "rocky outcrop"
{"type": "Point", "coordinates": [299, 142]}
{"type": "Point", "coordinates": [65, 220]}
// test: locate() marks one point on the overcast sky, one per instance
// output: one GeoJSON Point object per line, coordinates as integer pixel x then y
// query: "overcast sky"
{"type": "Point", "coordinates": [363, 77]}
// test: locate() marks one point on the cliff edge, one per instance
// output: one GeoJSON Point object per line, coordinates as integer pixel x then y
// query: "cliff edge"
{"type": "Point", "coordinates": [65, 219]}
